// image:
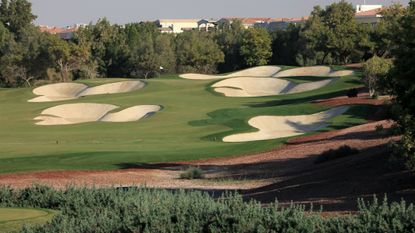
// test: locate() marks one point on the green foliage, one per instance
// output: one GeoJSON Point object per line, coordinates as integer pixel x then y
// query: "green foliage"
{"type": "Point", "coordinates": [146, 210]}
{"type": "Point", "coordinates": [192, 173]}
{"type": "Point", "coordinates": [402, 85]}
{"type": "Point", "coordinates": [375, 71]}
{"type": "Point", "coordinates": [286, 45]}
{"type": "Point", "coordinates": [330, 32]}
{"type": "Point", "coordinates": [229, 38]}
{"type": "Point", "coordinates": [256, 47]}
{"type": "Point", "coordinates": [333, 154]}
{"type": "Point", "coordinates": [148, 50]}
{"type": "Point", "coordinates": [15, 15]}
{"type": "Point", "coordinates": [197, 52]}
{"type": "Point", "coordinates": [383, 34]}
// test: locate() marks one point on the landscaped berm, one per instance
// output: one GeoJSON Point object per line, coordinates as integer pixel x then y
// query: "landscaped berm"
{"type": "Point", "coordinates": [259, 131]}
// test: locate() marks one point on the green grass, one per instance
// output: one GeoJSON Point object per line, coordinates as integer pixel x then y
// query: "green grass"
{"type": "Point", "coordinates": [191, 125]}
{"type": "Point", "coordinates": [13, 219]}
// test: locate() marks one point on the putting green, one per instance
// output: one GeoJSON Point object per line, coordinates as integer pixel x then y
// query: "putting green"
{"type": "Point", "coordinates": [191, 125]}
{"type": "Point", "coordinates": [12, 219]}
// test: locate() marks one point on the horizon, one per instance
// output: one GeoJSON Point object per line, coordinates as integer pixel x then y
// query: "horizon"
{"type": "Point", "coordinates": [49, 12]}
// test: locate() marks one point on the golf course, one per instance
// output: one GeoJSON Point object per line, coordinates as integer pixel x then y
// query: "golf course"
{"type": "Point", "coordinates": [13, 219]}
{"type": "Point", "coordinates": [190, 123]}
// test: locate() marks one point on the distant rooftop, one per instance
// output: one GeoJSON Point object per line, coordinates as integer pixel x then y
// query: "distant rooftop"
{"type": "Point", "coordinates": [368, 10]}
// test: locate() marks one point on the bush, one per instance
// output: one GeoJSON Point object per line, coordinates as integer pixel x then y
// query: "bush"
{"type": "Point", "coordinates": [351, 93]}
{"type": "Point", "coordinates": [192, 173]}
{"type": "Point", "coordinates": [331, 154]}
{"type": "Point", "coordinates": [149, 210]}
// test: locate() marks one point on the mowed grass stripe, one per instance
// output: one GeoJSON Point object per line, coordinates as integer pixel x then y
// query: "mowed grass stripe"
{"type": "Point", "coordinates": [189, 127]}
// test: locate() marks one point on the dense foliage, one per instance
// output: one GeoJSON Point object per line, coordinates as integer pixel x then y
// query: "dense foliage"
{"type": "Point", "coordinates": [144, 210]}
{"type": "Point", "coordinates": [401, 84]}
{"type": "Point", "coordinates": [330, 36]}
{"type": "Point", "coordinates": [375, 72]}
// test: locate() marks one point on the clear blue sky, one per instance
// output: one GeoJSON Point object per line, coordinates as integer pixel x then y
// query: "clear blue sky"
{"type": "Point", "coordinates": [69, 12]}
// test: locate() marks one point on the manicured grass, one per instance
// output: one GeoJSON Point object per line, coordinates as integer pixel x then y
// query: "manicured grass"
{"type": "Point", "coordinates": [191, 125]}
{"type": "Point", "coordinates": [13, 219]}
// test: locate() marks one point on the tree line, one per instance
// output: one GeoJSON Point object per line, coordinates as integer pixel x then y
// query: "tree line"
{"type": "Point", "coordinates": [140, 50]}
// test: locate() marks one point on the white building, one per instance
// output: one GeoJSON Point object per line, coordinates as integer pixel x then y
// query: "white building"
{"type": "Point", "coordinates": [368, 13]}
{"type": "Point", "coordinates": [177, 25]}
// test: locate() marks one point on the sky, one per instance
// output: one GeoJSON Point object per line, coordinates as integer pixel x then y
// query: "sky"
{"type": "Point", "coordinates": [69, 12]}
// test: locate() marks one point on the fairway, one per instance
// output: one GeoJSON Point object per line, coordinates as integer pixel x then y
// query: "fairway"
{"type": "Point", "coordinates": [13, 219]}
{"type": "Point", "coordinates": [190, 126]}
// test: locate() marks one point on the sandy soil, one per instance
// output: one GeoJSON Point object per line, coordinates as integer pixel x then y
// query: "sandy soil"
{"type": "Point", "coordinates": [69, 91]}
{"type": "Point", "coordinates": [260, 71]}
{"type": "Point", "coordinates": [68, 114]}
{"type": "Point", "coordinates": [258, 87]}
{"type": "Point", "coordinates": [272, 127]}
{"type": "Point", "coordinates": [321, 71]}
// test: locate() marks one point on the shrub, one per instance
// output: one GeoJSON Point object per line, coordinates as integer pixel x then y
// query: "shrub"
{"type": "Point", "coordinates": [331, 154]}
{"type": "Point", "coordinates": [149, 210]}
{"type": "Point", "coordinates": [192, 173]}
{"type": "Point", "coordinates": [351, 93]}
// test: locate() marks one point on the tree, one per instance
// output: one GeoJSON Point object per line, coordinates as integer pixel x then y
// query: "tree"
{"type": "Point", "coordinates": [374, 70]}
{"type": "Point", "coordinates": [256, 47]}
{"type": "Point", "coordinates": [16, 14]}
{"type": "Point", "coordinates": [229, 38]}
{"type": "Point", "coordinates": [382, 35]}
{"type": "Point", "coordinates": [285, 45]}
{"type": "Point", "coordinates": [403, 84]}
{"type": "Point", "coordinates": [314, 39]}
{"type": "Point", "coordinates": [66, 57]}
{"type": "Point", "coordinates": [107, 44]}
{"type": "Point", "coordinates": [149, 50]}
{"type": "Point", "coordinates": [197, 52]}
{"type": "Point", "coordinates": [331, 32]}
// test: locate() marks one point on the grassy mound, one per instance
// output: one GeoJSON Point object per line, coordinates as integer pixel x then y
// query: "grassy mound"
{"type": "Point", "coordinates": [13, 219]}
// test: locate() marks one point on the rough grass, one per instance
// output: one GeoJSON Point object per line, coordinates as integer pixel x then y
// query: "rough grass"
{"type": "Point", "coordinates": [190, 126]}
{"type": "Point", "coordinates": [13, 219]}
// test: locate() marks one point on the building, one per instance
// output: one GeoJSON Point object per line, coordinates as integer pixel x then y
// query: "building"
{"type": "Point", "coordinates": [368, 13]}
{"type": "Point", "coordinates": [64, 33]}
{"type": "Point", "coordinates": [177, 25]}
{"type": "Point", "coordinates": [207, 24]}
{"type": "Point", "coordinates": [281, 23]}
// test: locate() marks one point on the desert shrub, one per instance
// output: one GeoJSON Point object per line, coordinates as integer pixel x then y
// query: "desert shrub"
{"type": "Point", "coordinates": [192, 173]}
{"type": "Point", "coordinates": [332, 154]}
{"type": "Point", "coordinates": [149, 210]}
{"type": "Point", "coordinates": [351, 93]}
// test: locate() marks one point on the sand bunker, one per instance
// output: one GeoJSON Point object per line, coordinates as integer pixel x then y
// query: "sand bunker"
{"type": "Point", "coordinates": [81, 113]}
{"type": "Point", "coordinates": [257, 87]}
{"type": "Point", "coordinates": [260, 71]}
{"type": "Point", "coordinates": [69, 91]}
{"type": "Point", "coordinates": [321, 71]}
{"type": "Point", "coordinates": [273, 127]}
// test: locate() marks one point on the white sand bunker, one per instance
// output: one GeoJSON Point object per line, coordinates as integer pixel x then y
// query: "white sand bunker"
{"type": "Point", "coordinates": [260, 71]}
{"type": "Point", "coordinates": [322, 71]}
{"type": "Point", "coordinates": [69, 91]}
{"type": "Point", "coordinates": [257, 87]}
{"type": "Point", "coordinates": [272, 127]}
{"type": "Point", "coordinates": [81, 113]}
